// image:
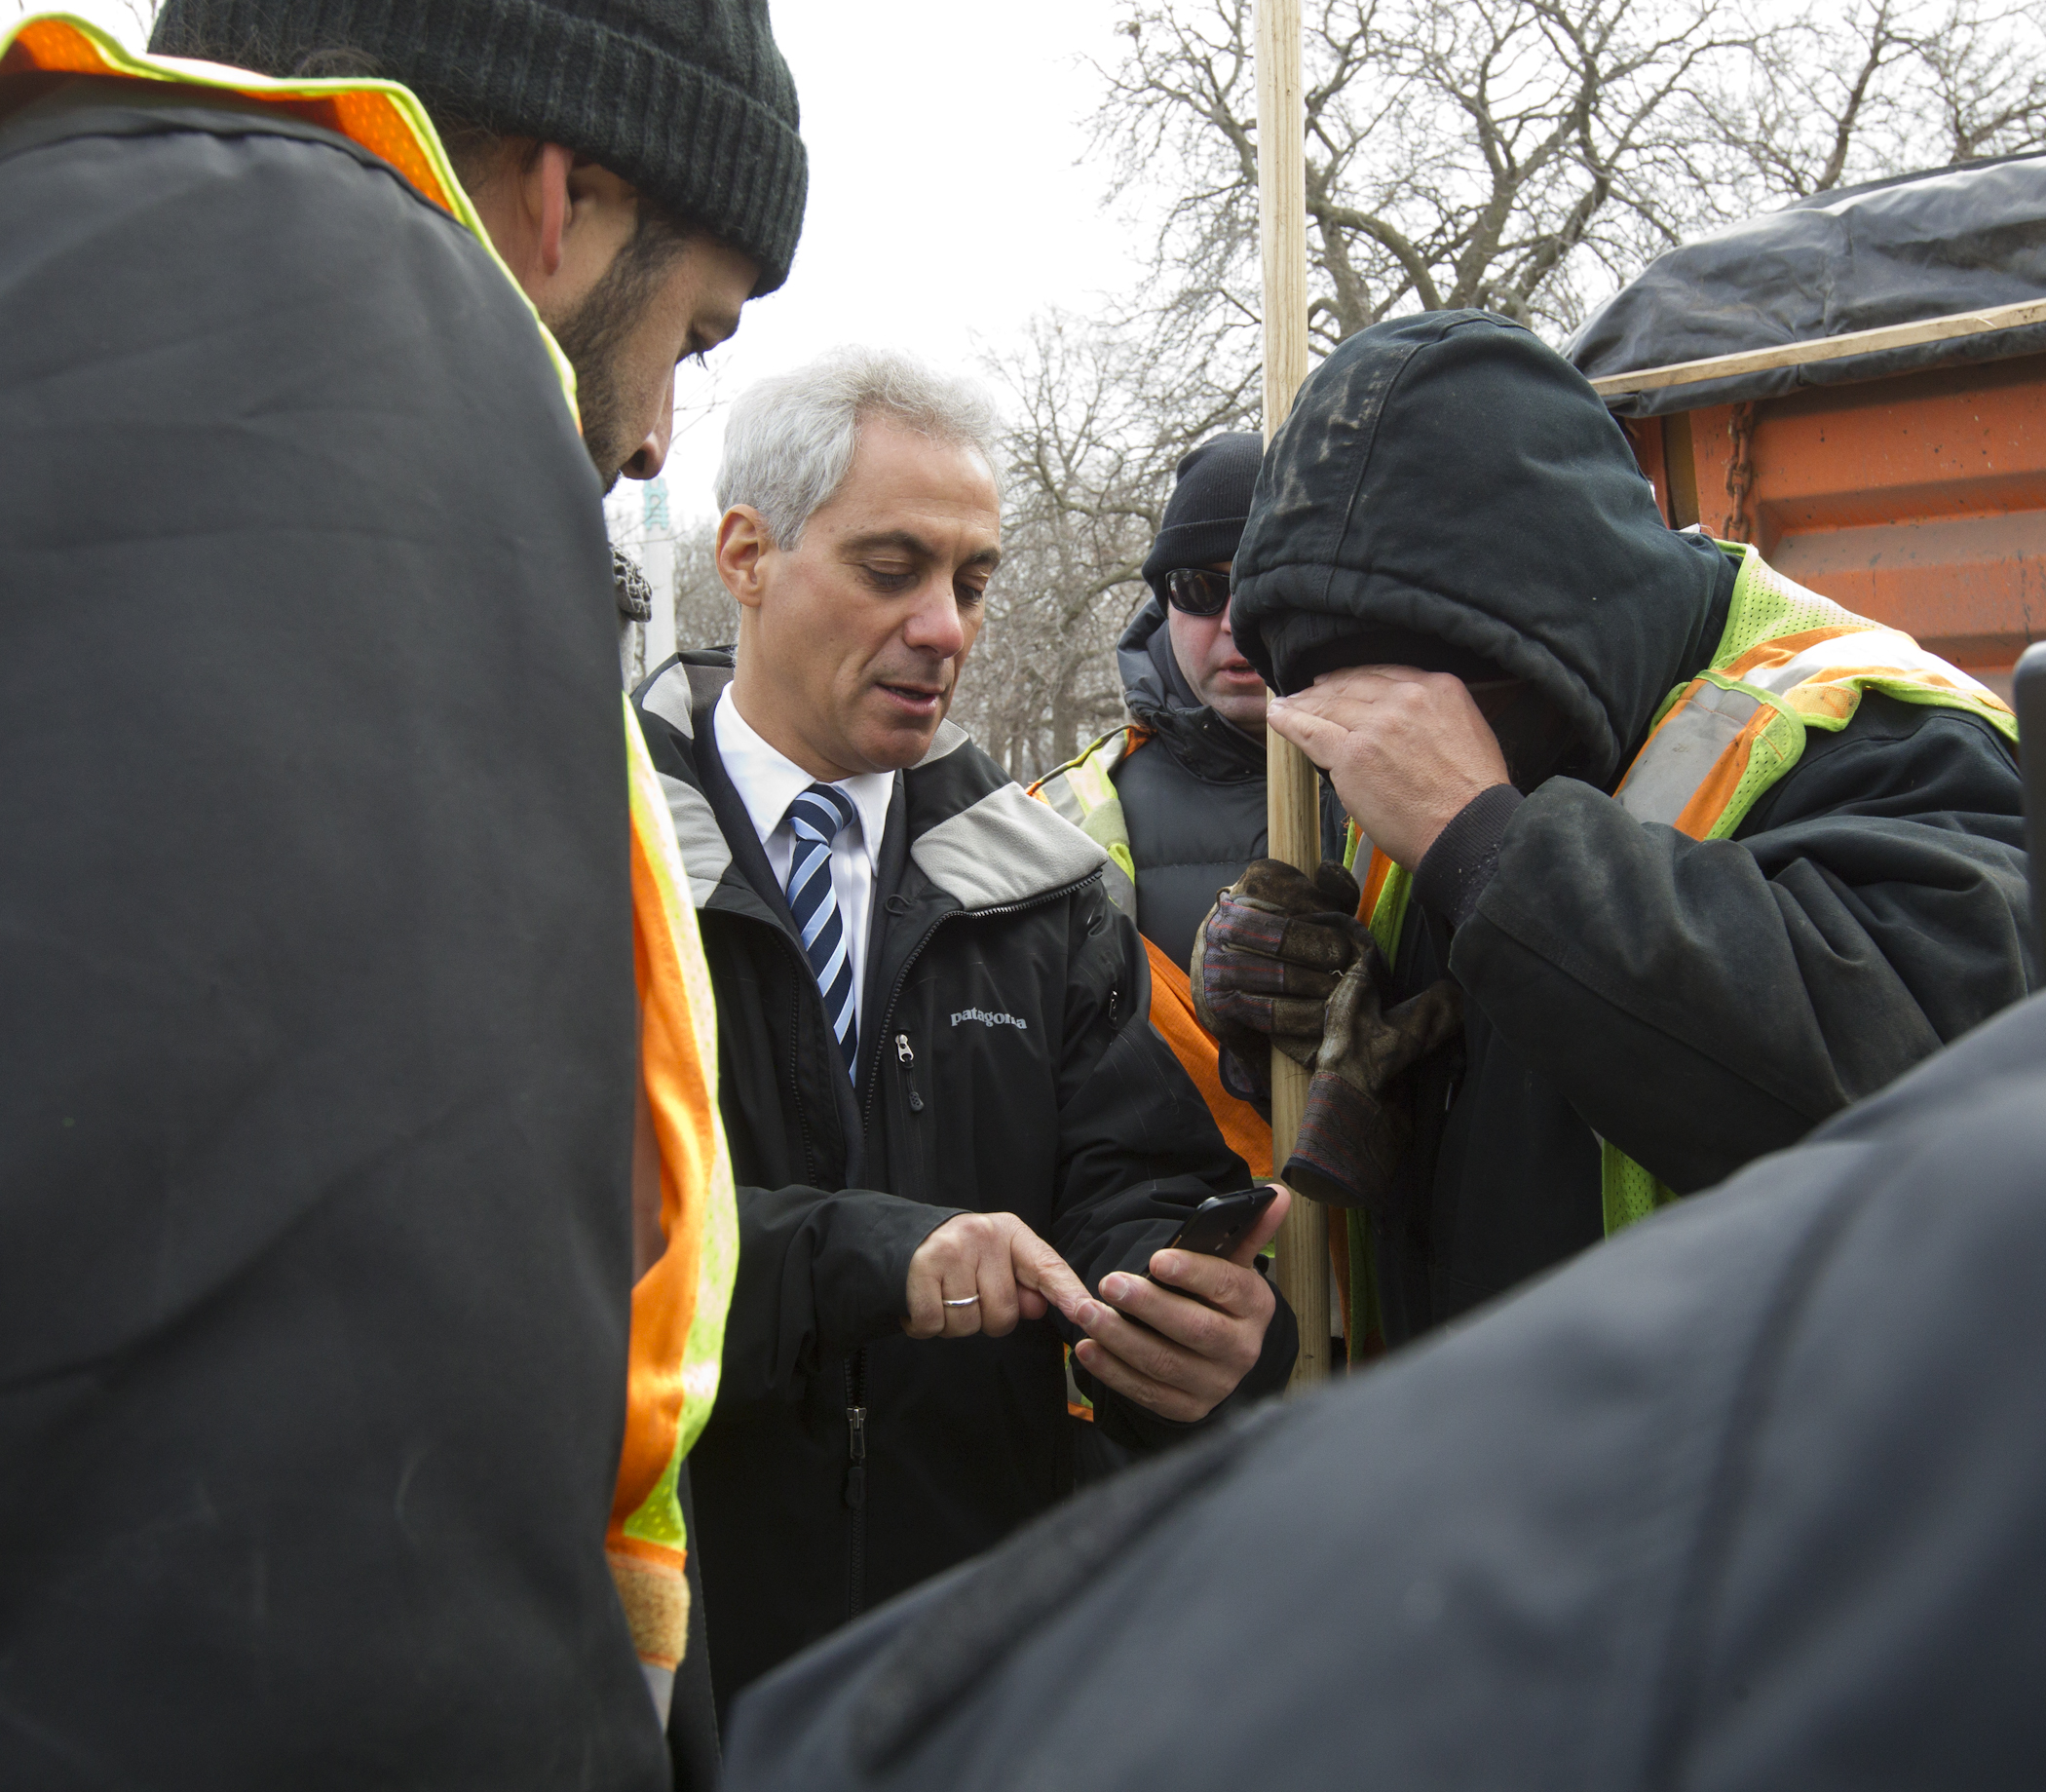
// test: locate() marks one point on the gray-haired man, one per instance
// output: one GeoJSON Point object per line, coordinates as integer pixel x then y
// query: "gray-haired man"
{"type": "Point", "coordinates": [941, 1093]}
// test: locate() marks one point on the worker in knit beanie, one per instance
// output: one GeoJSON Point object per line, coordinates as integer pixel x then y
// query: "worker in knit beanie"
{"type": "Point", "coordinates": [350, 1347]}
{"type": "Point", "coordinates": [1192, 811]}
{"type": "Point", "coordinates": [1177, 794]}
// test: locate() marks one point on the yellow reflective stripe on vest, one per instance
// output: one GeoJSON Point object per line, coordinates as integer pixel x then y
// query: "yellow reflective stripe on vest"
{"type": "Point", "coordinates": [1388, 912]}
{"type": "Point", "coordinates": [1716, 749]}
{"type": "Point", "coordinates": [676, 1339]}
{"type": "Point", "coordinates": [383, 116]}
{"type": "Point", "coordinates": [1790, 659]}
{"type": "Point", "coordinates": [1091, 783]}
{"type": "Point", "coordinates": [1083, 791]}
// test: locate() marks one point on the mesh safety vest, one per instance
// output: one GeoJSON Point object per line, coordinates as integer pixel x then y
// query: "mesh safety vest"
{"type": "Point", "coordinates": [679, 1305]}
{"type": "Point", "coordinates": [1790, 661]}
{"type": "Point", "coordinates": [1084, 791]}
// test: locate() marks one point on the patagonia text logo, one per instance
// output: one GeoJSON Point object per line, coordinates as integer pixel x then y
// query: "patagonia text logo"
{"type": "Point", "coordinates": [986, 1019]}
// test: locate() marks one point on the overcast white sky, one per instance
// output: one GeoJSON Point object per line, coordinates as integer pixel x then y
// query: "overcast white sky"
{"type": "Point", "coordinates": [946, 200]}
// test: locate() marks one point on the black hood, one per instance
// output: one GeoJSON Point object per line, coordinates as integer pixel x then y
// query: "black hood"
{"type": "Point", "coordinates": [1157, 693]}
{"type": "Point", "coordinates": [1446, 482]}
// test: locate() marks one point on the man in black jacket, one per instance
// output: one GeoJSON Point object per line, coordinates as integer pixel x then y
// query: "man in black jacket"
{"type": "Point", "coordinates": [937, 1080]}
{"type": "Point", "coordinates": [317, 978]}
{"type": "Point", "coordinates": [1709, 856]}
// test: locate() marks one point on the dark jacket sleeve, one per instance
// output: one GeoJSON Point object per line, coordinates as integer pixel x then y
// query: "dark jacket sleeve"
{"type": "Point", "coordinates": [1704, 1002]}
{"type": "Point", "coordinates": [818, 1274]}
{"type": "Point", "coordinates": [1138, 1151]}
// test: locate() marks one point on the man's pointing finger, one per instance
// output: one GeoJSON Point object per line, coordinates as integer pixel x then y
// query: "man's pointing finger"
{"type": "Point", "coordinates": [1041, 1267]}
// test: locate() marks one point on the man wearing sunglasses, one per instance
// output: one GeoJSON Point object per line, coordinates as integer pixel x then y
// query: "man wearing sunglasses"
{"type": "Point", "coordinates": [1177, 794]}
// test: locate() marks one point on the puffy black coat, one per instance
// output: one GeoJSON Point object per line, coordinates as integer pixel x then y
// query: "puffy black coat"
{"type": "Point", "coordinates": [1447, 484]}
{"type": "Point", "coordinates": [1748, 1498]}
{"type": "Point", "coordinates": [316, 982]}
{"type": "Point", "coordinates": [1005, 1065]}
{"type": "Point", "coordinates": [1193, 797]}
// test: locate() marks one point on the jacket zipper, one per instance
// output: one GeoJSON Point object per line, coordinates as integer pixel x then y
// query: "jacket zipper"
{"type": "Point", "coordinates": [855, 1486]}
{"type": "Point", "coordinates": [795, 1074]}
{"type": "Point", "coordinates": [914, 1163]}
{"type": "Point", "coordinates": [894, 995]}
{"type": "Point", "coordinates": [856, 1479]}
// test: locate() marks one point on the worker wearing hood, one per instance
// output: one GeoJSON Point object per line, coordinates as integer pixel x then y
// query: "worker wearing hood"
{"type": "Point", "coordinates": [1706, 857]}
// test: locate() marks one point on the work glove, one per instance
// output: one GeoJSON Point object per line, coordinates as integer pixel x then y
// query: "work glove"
{"type": "Point", "coordinates": [1266, 961]}
{"type": "Point", "coordinates": [1359, 1116]}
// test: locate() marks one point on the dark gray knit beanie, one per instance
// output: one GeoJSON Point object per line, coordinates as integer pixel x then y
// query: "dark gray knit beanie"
{"type": "Point", "coordinates": [1209, 504]}
{"type": "Point", "coordinates": [688, 99]}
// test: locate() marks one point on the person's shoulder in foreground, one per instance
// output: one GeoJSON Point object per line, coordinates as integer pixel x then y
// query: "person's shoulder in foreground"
{"type": "Point", "coordinates": [1747, 1498]}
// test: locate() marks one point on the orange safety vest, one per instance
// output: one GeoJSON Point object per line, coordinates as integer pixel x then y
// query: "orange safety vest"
{"type": "Point", "coordinates": [1790, 661]}
{"type": "Point", "coordinates": [679, 1305]}
{"type": "Point", "coordinates": [1084, 791]}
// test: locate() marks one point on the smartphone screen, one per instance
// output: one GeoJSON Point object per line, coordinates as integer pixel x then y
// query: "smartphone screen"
{"type": "Point", "coordinates": [1222, 1222]}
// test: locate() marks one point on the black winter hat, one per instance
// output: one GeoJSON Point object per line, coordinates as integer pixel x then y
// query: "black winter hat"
{"type": "Point", "coordinates": [1205, 514]}
{"type": "Point", "coordinates": [688, 99]}
{"type": "Point", "coordinates": [1450, 491]}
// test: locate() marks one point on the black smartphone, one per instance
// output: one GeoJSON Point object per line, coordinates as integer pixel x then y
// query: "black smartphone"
{"type": "Point", "coordinates": [2028, 699]}
{"type": "Point", "coordinates": [1222, 1222]}
{"type": "Point", "coordinates": [1214, 1228]}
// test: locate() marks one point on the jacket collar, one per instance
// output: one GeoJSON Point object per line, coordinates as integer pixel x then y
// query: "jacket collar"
{"type": "Point", "coordinates": [972, 835]}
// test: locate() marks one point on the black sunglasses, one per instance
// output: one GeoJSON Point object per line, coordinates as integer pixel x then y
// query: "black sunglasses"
{"type": "Point", "coordinates": [1197, 590]}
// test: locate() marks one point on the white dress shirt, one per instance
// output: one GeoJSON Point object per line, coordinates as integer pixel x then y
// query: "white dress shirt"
{"type": "Point", "coordinates": [767, 782]}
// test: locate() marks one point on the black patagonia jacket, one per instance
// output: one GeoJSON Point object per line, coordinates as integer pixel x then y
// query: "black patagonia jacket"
{"type": "Point", "coordinates": [1192, 799]}
{"type": "Point", "coordinates": [1005, 1065]}
{"type": "Point", "coordinates": [1448, 485]}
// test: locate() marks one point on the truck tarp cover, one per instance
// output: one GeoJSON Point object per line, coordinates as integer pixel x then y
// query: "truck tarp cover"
{"type": "Point", "coordinates": [1894, 251]}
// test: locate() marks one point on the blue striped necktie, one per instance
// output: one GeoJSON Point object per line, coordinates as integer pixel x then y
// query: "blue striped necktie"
{"type": "Point", "coordinates": [815, 817]}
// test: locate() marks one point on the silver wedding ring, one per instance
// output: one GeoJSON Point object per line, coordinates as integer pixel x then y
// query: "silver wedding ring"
{"type": "Point", "coordinates": [968, 1302]}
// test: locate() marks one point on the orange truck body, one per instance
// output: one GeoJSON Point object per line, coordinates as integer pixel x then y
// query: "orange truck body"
{"type": "Point", "coordinates": [1917, 499]}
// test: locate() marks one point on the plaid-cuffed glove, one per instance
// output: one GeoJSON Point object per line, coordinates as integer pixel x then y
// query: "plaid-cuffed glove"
{"type": "Point", "coordinates": [1358, 1122]}
{"type": "Point", "coordinates": [1266, 962]}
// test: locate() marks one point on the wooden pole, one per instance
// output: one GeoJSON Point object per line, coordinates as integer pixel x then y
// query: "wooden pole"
{"type": "Point", "coordinates": [1291, 813]}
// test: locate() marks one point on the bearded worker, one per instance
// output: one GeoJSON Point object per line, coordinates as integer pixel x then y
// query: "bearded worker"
{"type": "Point", "coordinates": [958, 1141]}
{"type": "Point", "coordinates": [331, 1374]}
